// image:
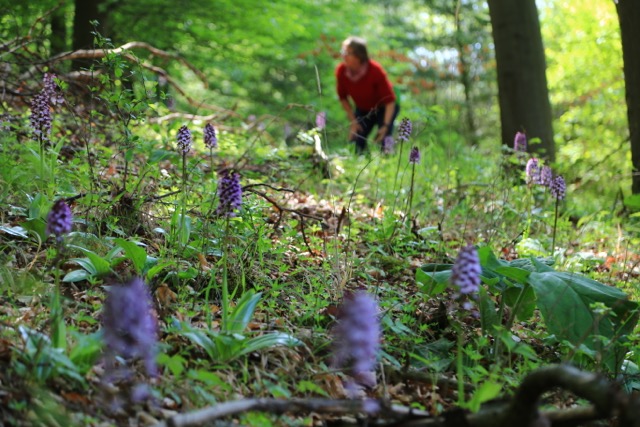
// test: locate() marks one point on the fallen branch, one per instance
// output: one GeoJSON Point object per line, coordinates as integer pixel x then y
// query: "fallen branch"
{"type": "Point", "coordinates": [101, 53]}
{"type": "Point", "coordinates": [606, 398]}
{"type": "Point", "coordinates": [293, 406]}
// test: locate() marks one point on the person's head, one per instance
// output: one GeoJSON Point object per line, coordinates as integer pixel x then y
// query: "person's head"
{"type": "Point", "coordinates": [355, 47]}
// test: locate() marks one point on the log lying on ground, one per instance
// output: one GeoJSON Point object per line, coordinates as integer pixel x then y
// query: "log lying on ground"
{"type": "Point", "coordinates": [607, 401]}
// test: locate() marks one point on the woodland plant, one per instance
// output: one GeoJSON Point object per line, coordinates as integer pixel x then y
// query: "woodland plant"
{"type": "Point", "coordinates": [59, 224]}
{"type": "Point", "coordinates": [41, 118]}
{"type": "Point", "coordinates": [356, 340]}
{"type": "Point", "coordinates": [414, 159]}
{"type": "Point", "coordinates": [185, 141]}
{"type": "Point", "coordinates": [465, 278]}
{"type": "Point", "coordinates": [130, 332]}
{"type": "Point", "coordinates": [557, 188]}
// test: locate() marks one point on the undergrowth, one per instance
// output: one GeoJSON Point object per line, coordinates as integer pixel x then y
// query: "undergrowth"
{"type": "Point", "coordinates": [246, 293]}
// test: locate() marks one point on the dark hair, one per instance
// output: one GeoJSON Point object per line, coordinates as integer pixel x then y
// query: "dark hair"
{"type": "Point", "coordinates": [358, 47]}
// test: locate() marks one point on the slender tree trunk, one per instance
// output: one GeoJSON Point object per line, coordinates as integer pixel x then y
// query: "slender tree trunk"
{"type": "Point", "coordinates": [58, 39]}
{"type": "Point", "coordinates": [466, 83]}
{"type": "Point", "coordinates": [522, 82]}
{"type": "Point", "coordinates": [629, 17]}
{"type": "Point", "coordinates": [86, 11]}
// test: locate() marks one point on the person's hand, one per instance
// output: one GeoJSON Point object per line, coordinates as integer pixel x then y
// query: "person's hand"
{"type": "Point", "coordinates": [354, 129]}
{"type": "Point", "coordinates": [382, 132]}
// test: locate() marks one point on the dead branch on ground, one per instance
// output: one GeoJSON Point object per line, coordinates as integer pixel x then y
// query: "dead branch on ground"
{"type": "Point", "coordinates": [606, 398]}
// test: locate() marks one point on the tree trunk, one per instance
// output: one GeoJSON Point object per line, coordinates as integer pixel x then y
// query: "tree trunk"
{"type": "Point", "coordinates": [522, 80]}
{"type": "Point", "coordinates": [466, 84]}
{"type": "Point", "coordinates": [629, 17]}
{"type": "Point", "coordinates": [86, 11]}
{"type": "Point", "coordinates": [58, 39]}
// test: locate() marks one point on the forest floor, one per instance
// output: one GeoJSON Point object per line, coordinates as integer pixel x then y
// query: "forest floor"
{"type": "Point", "coordinates": [295, 250]}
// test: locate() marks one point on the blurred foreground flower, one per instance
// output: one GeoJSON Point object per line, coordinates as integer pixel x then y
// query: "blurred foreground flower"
{"type": "Point", "coordinates": [40, 119]}
{"type": "Point", "coordinates": [546, 176]}
{"type": "Point", "coordinates": [387, 144]}
{"type": "Point", "coordinates": [404, 130]}
{"type": "Point", "coordinates": [321, 120]}
{"type": "Point", "coordinates": [533, 171]}
{"type": "Point", "coordinates": [210, 139]}
{"type": "Point", "coordinates": [520, 142]}
{"type": "Point", "coordinates": [130, 327]}
{"type": "Point", "coordinates": [59, 219]}
{"type": "Point", "coordinates": [230, 194]}
{"type": "Point", "coordinates": [357, 338]}
{"type": "Point", "coordinates": [414, 155]}
{"type": "Point", "coordinates": [465, 274]}
{"type": "Point", "coordinates": [558, 187]}
{"type": "Point", "coordinates": [184, 139]}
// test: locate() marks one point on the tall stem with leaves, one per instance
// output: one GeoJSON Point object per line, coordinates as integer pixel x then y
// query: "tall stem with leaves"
{"type": "Point", "coordinates": [185, 141]}
{"type": "Point", "coordinates": [465, 278]}
{"type": "Point", "coordinates": [557, 189]}
{"type": "Point", "coordinates": [414, 159]}
{"type": "Point", "coordinates": [59, 223]}
{"type": "Point", "coordinates": [230, 199]}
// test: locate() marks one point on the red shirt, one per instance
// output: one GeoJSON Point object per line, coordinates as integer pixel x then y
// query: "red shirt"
{"type": "Point", "coordinates": [371, 91]}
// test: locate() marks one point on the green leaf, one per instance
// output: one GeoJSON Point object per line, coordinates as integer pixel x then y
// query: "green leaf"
{"type": "Point", "coordinates": [565, 302]}
{"type": "Point", "coordinates": [527, 303]}
{"type": "Point", "coordinates": [273, 339]}
{"type": "Point", "coordinates": [487, 391]}
{"type": "Point", "coordinates": [239, 318]}
{"type": "Point", "coordinates": [15, 231]}
{"type": "Point", "coordinates": [135, 253]}
{"type": "Point", "coordinates": [201, 339]}
{"type": "Point", "coordinates": [434, 278]}
{"type": "Point", "coordinates": [37, 226]}
{"type": "Point", "coordinates": [488, 316]}
{"type": "Point", "coordinates": [100, 265]}
{"type": "Point", "coordinates": [76, 276]}
{"type": "Point", "coordinates": [85, 350]}
{"type": "Point", "coordinates": [311, 387]}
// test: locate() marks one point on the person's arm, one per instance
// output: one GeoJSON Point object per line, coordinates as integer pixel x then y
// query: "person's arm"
{"type": "Point", "coordinates": [388, 116]}
{"type": "Point", "coordinates": [346, 105]}
{"type": "Point", "coordinates": [354, 126]}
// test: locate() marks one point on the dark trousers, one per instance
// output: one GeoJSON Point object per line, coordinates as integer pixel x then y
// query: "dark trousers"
{"type": "Point", "coordinates": [369, 119]}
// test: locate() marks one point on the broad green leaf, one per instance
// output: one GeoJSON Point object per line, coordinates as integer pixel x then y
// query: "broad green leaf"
{"type": "Point", "coordinates": [487, 391]}
{"type": "Point", "coordinates": [76, 276]}
{"type": "Point", "coordinates": [242, 313]}
{"type": "Point", "coordinates": [565, 302]}
{"type": "Point", "coordinates": [488, 316]}
{"type": "Point", "coordinates": [37, 226]}
{"type": "Point", "coordinates": [267, 341]}
{"type": "Point", "coordinates": [15, 231]}
{"type": "Point", "coordinates": [201, 339]}
{"type": "Point", "coordinates": [434, 278]}
{"type": "Point", "coordinates": [85, 350]}
{"type": "Point", "coordinates": [527, 300]}
{"type": "Point", "coordinates": [516, 274]}
{"type": "Point", "coordinates": [86, 264]}
{"type": "Point", "coordinates": [135, 253]}
{"type": "Point", "coordinates": [309, 386]}
{"type": "Point", "coordinates": [101, 265]}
